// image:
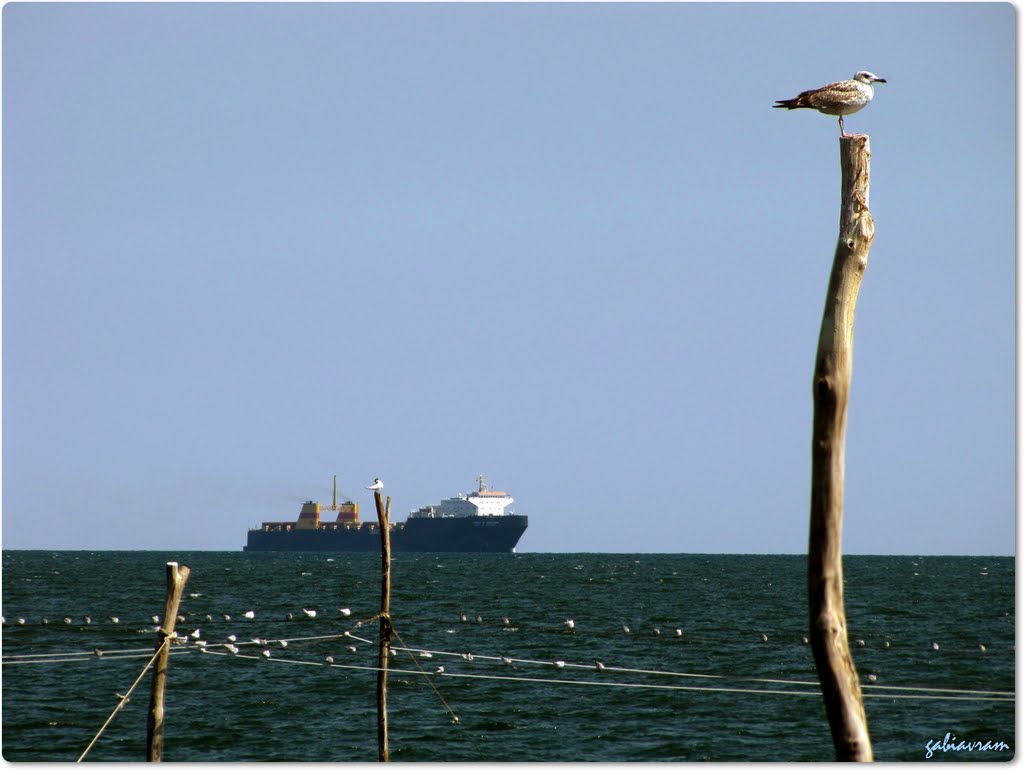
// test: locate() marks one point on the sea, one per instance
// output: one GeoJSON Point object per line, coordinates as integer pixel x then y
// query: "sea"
{"type": "Point", "coordinates": [668, 657]}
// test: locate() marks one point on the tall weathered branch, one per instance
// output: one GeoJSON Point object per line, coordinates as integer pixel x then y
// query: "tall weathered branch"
{"type": "Point", "coordinates": [384, 520]}
{"type": "Point", "coordinates": [176, 578]}
{"type": "Point", "coordinates": [840, 688]}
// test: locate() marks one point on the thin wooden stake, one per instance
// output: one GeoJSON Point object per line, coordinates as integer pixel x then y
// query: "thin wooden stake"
{"type": "Point", "coordinates": [176, 578]}
{"type": "Point", "coordinates": [384, 520]}
{"type": "Point", "coordinates": [844, 704]}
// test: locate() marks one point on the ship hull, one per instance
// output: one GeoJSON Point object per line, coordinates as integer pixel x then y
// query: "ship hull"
{"type": "Point", "coordinates": [449, 534]}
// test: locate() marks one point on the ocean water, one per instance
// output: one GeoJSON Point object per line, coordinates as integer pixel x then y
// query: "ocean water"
{"type": "Point", "coordinates": [738, 685]}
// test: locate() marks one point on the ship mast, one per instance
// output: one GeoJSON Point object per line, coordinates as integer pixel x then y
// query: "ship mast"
{"type": "Point", "coordinates": [481, 482]}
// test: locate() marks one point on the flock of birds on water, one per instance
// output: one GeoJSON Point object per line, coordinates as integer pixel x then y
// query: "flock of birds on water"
{"type": "Point", "coordinates": [231, 641]}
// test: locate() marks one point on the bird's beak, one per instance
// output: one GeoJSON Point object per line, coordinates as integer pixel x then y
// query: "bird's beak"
{"type": "Point", "coordinates": [881, 80]}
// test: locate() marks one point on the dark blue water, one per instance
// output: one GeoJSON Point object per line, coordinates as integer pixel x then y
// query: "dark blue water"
{"type": "Point", "coordinates": [646, 704]}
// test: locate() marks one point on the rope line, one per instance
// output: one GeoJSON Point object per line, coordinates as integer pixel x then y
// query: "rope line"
{"type": "Point", "coordinates": [455, 718]}
{"type": "Point", "coordinates": [124, 699]}
{"type": "Point", "coordinates": [221, 648]}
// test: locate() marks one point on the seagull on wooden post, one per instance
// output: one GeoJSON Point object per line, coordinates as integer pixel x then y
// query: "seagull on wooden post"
{"type": "Point", "coordinates": [377, 485]}
{"type": "Point", "coordinates": [842, 98]}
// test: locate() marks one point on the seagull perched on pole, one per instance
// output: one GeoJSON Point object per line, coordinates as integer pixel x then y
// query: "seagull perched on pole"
{"type": "Point", "coordinates": [843, 98]}
{"type": "Point", "coordinates": [377, 485]}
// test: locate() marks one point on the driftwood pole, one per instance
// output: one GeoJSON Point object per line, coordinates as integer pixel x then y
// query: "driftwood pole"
{"type": "Point", "coordinates": [384, 519]}
{"type": "Point", "coordinates": [840, 688]}
{"type": "Point", "coordinates": [176, 578]}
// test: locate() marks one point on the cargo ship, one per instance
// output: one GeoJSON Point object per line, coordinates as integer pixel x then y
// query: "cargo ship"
{"type": "Point", "coordinates": [472, 522]}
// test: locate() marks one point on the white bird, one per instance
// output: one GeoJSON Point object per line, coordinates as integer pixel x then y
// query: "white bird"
{"type": "Point", "coordinates": [283, 643]}
{"type": "Point", "coordinates": [505, 621]}
{"type": "Point", "coordinates": [843, 98]}
{"type": "Point", "coordinates": [860, 643]}
{"type": "Point", "coordinates": [87, 620]}
{"type": "Point", "coordinates": [115, 620]}
{"type": "Point", "coordinates": [935, 646]}
{"type": "Point", "coordinates": [329, 659]}
{"type": "Point", "coordinates": [309, 613]}
{"type": "Point", "coordinates": [679, 633]}
{"type": "Point", "coordinates": [249, 614]}
{"type": "Point", "coordinates": [506, 660]}
{"type": "Point", "coordinates": [462, 618]}
{"type": "Point", "coordinates": [625, 628]}
{"type": "Point", "coordinates": [764, 637]}
{"type": "Point", "coordinates": [886, 644]}
{"type": "Point", "coordinates": [351, 648]}
{"type": "Point", "coordinates": [560, 664]}
{"type": "Point", "coordinates": [232, 638]}
{"type": "Point", "coordinates": [570, 623]}
{"type": "Point", "coordinates": [232, 648]}
{"type": "Point", "coordinates": [155, 619]}
{"type": "Point", "coordinates": [656, 631]}
{"type": "Point", "coordinates": [426, 655]}
{"type": "Point", "coordinates": [377, 485]}
{"type": "Point", "coordinates": [440, 670]}
{"type": "Point", "coordinates": [227, 617]}
{"type": "Point", "coordinates": [195, 634]}
{"type": "Point", "coordinates": [266, 654]}
{"type": "Point", "coordinates": [345, 611]}
{"type": "Point", "coordinates": [209, 617]}
{"type": "Point", "coordinates": [21, 622]}
{"type": "Point", "coordinates": [982, 647]}
{"type": "Point", "coordinates": [872, 678]}
{"type": "Point", "coordinates": [479, 619]}
{"type": "Point", "coordinates": [67, 620]}
{"type": "Point", "coordinates": [600, 666]}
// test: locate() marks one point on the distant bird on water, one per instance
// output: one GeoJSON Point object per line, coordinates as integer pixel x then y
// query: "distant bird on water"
{"type": "Point", "coordinates": [377, 485]}
{"type": "Point", "coordinates": [843, 98]}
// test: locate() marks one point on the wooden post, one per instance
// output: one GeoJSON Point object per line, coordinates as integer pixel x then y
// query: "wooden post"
{"type": "Point", "coordinates": [384, 519]}
{"type": "Point", "coordinates": [176, 578]}
{"type": "Point", "coordinates": [840, 688]}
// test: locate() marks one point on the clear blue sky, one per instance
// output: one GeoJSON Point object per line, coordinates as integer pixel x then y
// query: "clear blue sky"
{"type": "Point", "coordinates": [571, 247]}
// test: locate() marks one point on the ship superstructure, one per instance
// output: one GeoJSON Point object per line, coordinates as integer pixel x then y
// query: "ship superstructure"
{"type": "Point", "coordinates": [482, 503]}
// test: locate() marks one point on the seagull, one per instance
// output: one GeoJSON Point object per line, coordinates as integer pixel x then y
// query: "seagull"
{"type": "Point", "coordinates": [843, 98]}
{"type": "Point", "coordinates": [570, 623]}
{"type": "Point", "coordinates": [249, 614]}
{"type": "Point", "coordinates": [266, 654]}
{"type": "Point", "coordinates": [232, 638]}
{"type": "Point", "coordinates": [679, 633]}
{"type": "Point", "coordinates": [440, 670]}
{"type": "Point", "coordinates": [351, 648]}
{"type": "Point", "coordinates": [377, 485]}
{"type": "Point", "coordinates": [625, 628]}
{"type": "Point", "coordinates": [115, 620]}
{"type": "Point", "coordinates": [872, 678]}
{"type": "Point", "coordinates": [764, 637]}
{"type": "Point", "coordinates": [600, 666]}
{"type": "Point", "coordinates": [329, 659]}
{"type": "Point", "coordinates": [345, 611]}
{"type": "Point", "coordinates": [309, 613]}
{"type": "Point", "coordinates": [283, 643]}
{"type": "Point", "coordinates": [560, 664]}
{"type": "Point", "coordinates": [506, 660]}
{"type": "Point", "coordinates": [232, 648]}
{"type": "Point", "coordinates": [195, 634]}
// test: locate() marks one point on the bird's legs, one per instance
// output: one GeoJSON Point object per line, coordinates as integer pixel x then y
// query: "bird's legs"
{"type": "Point", "coordinates": [842, 129]}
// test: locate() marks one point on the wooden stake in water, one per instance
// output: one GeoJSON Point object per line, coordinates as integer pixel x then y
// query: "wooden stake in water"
{"type": "Point", "coordinates": [176, 578]}
{"type": "Point", "coordinates": [840, 688]}
{"type": "Point", "coordinates": [384, 520]}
